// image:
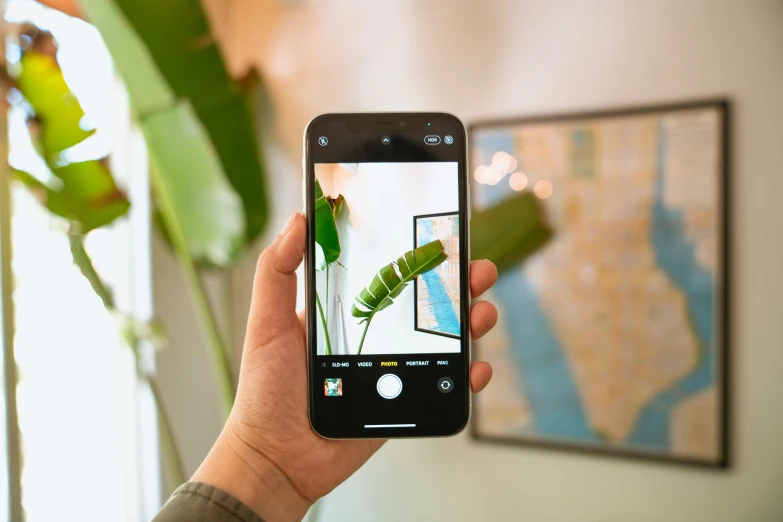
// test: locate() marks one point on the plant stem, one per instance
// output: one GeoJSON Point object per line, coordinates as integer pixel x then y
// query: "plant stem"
{"type": "Point", "coordinates": [323, 324]}
{"type": "Point", "coordinates": [326, 312]}
{"type": "Point", "coordinates": [361, 342]}
{"type": "Point", "coordinates": [82, 260]}
{"type": "Point", "coordinates": [170, 448]}
{"type": "Point", "coordinates": [171, 451]}
{"type": "Point", "coordinates": [218, 351]}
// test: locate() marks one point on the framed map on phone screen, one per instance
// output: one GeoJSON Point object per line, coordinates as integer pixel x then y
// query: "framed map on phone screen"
{"type": "Point", "coordinates": [436, 301]}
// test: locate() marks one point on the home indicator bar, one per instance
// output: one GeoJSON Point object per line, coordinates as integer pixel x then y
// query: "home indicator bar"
{"type": "Point", "coordinates": [389, 425]}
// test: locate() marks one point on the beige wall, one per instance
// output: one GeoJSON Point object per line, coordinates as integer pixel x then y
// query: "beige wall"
{"type": "Point", "coordinates": [493, 58]}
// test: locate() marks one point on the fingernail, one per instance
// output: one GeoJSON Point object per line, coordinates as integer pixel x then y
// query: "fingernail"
{"type": "Point", "coordinates": [289, 224]}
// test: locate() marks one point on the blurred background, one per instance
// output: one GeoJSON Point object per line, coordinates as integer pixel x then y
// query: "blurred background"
{"type": "Point", "coordinates": [154, 148]}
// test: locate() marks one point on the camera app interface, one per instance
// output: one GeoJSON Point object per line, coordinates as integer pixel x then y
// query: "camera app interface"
{"type": "Point", "coordinates": [387, 260]}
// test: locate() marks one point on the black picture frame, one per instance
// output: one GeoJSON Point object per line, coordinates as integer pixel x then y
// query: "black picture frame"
{"type": "Point", "coordinates": [416, 280]}
{"type": "Point", "coordinates": [722, 284]}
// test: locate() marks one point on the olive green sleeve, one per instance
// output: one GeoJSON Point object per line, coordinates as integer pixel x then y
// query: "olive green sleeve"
{"type": "Point", "coordinates": [199, 502]}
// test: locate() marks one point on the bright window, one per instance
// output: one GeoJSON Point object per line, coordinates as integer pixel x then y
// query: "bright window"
{"type": "Point", "coordinates": [87, 424]}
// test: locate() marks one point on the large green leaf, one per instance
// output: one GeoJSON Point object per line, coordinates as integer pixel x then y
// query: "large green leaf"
{"type": "Point", "coordinates": [56, 108]}
{"type": "Point", "coordinates": [201, 140]}
{"type": "Point", "coordinates": [87, 194]}
{"type": "Point", "coordinates": [83, 192]}
{"type": "Point", "coordinates": [201, 205]}
{"type": "Point", "coordinates": [327, 209]}
{"type": "Point", "coordinates": [177, 35]}
{"type": "Point", "coordinates": [148, 89]}
{"type": "Point", "coordinates": [392, 279]}
{"type": "Point", "coordinates": [509, 232]}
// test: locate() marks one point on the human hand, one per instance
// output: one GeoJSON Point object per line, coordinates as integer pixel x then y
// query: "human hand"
{"type": "Point", "coordinates": [268, 456]}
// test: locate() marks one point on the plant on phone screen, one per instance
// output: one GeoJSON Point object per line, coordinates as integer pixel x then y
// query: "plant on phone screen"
{"type": "Point", "coordinates": [392, 279]}
{"type": "Point", "coordinates": [327, 247]}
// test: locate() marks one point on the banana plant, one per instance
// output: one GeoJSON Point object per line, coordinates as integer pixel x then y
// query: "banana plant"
{"type": "Point", "coordinates": [328, 250]}
{"type": "Point", "coordinates": [392, 279]}
{"type": "Point", "coordinates": [206, 172]}
{"type": "Point", "coordinates": [205, 169]}
{"type": "Point", "coordinates": [83, 193]}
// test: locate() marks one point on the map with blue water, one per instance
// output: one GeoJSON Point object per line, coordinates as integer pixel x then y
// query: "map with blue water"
{"type": "Point", "coordinates": [607, 336]}
{"type": "Point", "coordinates": [437, 291]}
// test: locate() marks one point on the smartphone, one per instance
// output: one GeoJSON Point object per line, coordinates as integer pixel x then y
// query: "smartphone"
{"type": "Point", "coordinates": [386, 275]}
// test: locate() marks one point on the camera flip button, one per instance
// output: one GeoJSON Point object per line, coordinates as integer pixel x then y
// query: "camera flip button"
{"type": "Point", "coordinates": [445, 385]}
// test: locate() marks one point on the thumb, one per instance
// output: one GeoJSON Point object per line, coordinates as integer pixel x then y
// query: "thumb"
{"type": "Point", "coordinates": [273, 305]}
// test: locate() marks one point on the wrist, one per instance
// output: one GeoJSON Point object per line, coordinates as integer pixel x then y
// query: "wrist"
{"type": "Point", "coordinates": [247, 475]}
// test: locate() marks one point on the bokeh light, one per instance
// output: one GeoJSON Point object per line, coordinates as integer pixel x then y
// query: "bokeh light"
{"type": "Point", "coordinates": [517, 181]}
{"type": "Point", "coordinates": [478, 174]}
{"type": "Point", "coordinates": [504, 162]}
{"type": "Point", "coordinates": [493, 175]}
{"type": "Point", "coordinates": [543, 189]}
{"type": "Point", "coordinates": [501, 160]}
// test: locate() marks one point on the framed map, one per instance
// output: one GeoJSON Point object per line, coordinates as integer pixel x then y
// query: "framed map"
{"type": "Point", "coordinates": [436, 293]}
{"type": "Point", "coordinates": [613, 337]}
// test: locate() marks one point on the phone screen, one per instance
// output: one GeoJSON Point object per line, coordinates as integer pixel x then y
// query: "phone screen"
{"type": "Point", "coordinates": [387, 296]}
